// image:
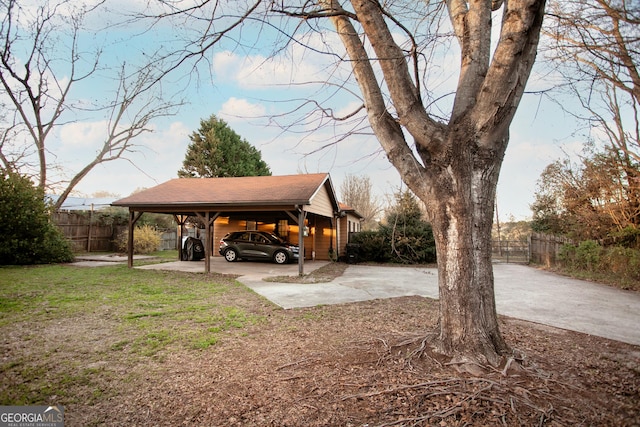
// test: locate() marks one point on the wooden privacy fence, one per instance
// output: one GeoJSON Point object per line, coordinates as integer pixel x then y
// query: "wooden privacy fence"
{"type": "Point", "coordinates": [87, 235]}
{"type": "Point", "coordinates": [540, 248]}
{"type": "Point", "coordinates": [84, 234]}
{"type": "Point", "coordinates": [169, 238]}
{"type": "Point", "coordinates": [545, 248]}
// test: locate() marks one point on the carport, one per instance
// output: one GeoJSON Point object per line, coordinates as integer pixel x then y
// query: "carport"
{"type": "Point", "coordinates": [224, 204]}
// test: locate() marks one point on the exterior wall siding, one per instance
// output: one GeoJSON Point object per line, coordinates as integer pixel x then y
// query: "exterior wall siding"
{"type": "Point", "coordinates": [347, 224]}
{"type": "Point", "coordinates": [321, 204]}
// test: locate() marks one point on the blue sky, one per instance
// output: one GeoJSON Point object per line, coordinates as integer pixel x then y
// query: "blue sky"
{"type": "Point", "coordinates": [245, 87]}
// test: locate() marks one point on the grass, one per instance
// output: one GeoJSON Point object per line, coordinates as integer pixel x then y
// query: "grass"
{"type": "Point", "coordinates": [122, 315]}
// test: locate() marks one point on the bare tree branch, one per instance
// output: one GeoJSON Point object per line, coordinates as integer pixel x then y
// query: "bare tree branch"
{"type": "Point", "coordinates": [39, 89]}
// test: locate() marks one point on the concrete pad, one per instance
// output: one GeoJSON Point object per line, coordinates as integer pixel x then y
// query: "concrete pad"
{"type": "Point", "coordinates": [94, 263]}
{"type": "Point", "coordinates": [358, 283]}
{"type": "Point", "coordinates": [521, 292]}
{"type": "Point", "coordinates": [540, 296]}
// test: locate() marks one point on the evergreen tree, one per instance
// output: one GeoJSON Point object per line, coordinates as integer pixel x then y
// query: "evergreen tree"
{"type": "Point", "coordinates": [216, 150]}
{"type": "Point", "coordinates": [27, 235]}
{"type": "Point", "coordinates": [411, 237]}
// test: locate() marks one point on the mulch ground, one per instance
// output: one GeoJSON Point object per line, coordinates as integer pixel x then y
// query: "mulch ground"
{"type": "Point", "coordinates": [352, 365]}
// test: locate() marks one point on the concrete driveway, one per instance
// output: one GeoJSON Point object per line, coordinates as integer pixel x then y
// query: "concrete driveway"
{"type": "Point", "coordinates": [521, 291]}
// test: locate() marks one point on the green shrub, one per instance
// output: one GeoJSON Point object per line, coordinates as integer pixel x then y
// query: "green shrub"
{"type": "Point", "coordinates": [409, 245]}
{"type": "Point", "coordinates": [27, 235]}
{"type": "Point", "coordinates": [629, 237]}
{"type": "Point", "coordinates": [405, 237]}
{"type": "Point", "coordinates": [146, 239]}
{"type": "Point", "coordinates": [614, 264]}
{"type": "Point", "coordinates": [373, 246]}
{"type": "Point", "coordinates": [622, 262]}
{"type": "Point", "coordinates": [588, 254]}
{"type": "Point", "coordinates": [567, 255]}
{"type": "Point", "coordinates": [413, 245]}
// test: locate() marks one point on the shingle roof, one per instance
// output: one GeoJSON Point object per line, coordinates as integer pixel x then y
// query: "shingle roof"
{"type": "Point", "coordinates": [241, 191]}
{"type": "Point", "coordinates": [347, 208]}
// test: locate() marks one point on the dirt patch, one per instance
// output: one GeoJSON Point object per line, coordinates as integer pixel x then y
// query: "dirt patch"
{"type": "Point", "coordinates": [324, 274]}
{"type": "Point", "coordinates": [343, 365]}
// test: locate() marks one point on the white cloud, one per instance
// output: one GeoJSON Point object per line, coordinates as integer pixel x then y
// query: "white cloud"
{"type": "Point", "coordinates": [157, 158]}
{"type": "Point", "coordinates": [83, 134]}
{"type": "Point", "coordinates": [259, 72]}
{"type": "Point", "coordinates": [237, 109]}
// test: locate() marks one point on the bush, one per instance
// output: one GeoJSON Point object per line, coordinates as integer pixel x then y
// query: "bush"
{"type": "Point", "coordinates": [146, 240]}
{"type": "Point", "coordinates": [413, 245]}
{"type": "Point", "coordinates": [588, 254]}
{"type": "Point", "coordinates": [405, 238]}
{"type": "Point", "coordinates": [628, 237]}
{"type": "Point", "coordinates": [374, 246]}
{"type": "Point", "coordinates": [622, 262]}
{"type": "Point", "coordinates": [410, 245]}
{"type": "Point", "coordinates": [27, 235]}
{"type": "Point", "coordinates": [567, 255]}
{"type": "Point", "coordinates": [613, 264]}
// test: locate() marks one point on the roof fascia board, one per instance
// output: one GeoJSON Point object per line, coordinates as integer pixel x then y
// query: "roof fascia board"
{"type": "Point", "coordinates": [204, 205]}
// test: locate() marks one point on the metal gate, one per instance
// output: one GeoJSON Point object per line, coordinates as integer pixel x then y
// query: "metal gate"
{"type": "Point", "coordinates": [510, 251]}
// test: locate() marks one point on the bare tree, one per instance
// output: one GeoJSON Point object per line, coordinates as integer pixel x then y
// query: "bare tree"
{"type": "Point", "coordinates": [129, 117]}
{"type": "Point", "coordinates": [452, 165]}
{"type": "Point", "coordinates": [40, 63]}
{"type": "Point", "coordinates": [357, 192]}
{"type": "Point", "coordinates": [27, 72]}
{"type": "Point", "coordinates": [596, 48]}
{"type": "Point", "coordinates": [450, 160]}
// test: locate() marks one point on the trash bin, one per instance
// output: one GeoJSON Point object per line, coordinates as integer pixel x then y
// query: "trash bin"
{"type": "Point", "coordinates": [353, 253]}
{"type": "Point", "coordinates": [192, 250]}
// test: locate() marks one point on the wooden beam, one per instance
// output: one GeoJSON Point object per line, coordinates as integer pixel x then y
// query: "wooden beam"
{"type": "Point", "coordinates": [293, 217]}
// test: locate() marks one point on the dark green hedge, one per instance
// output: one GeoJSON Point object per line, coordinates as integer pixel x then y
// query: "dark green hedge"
{"type": "Point", "coordinates": [27, 235]}
{"type": "Point", "coordinates": [406, 245]}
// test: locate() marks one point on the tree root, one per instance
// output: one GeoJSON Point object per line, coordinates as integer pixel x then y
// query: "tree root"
{"type": "Point", "coordinates": [463, 392]}
{"type": "Point", "coordinates": [511, 392]}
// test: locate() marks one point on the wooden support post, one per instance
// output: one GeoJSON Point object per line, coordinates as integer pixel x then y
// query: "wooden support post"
{"type": "Point", "coordinates": [207, 243]}
{"type": "Point", "coordinates": [180, 219]}
{"type": "Point", "coordinates": [133, 218]}
{"type": "Point", "coordinates": [208, 220]}
{"type": "Point", "coordinates": [301, 217]}
{"type": "Point", "coordinates": [89, 231]}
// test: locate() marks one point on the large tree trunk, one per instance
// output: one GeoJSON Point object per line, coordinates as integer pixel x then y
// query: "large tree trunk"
{"type": "Point", "coordinates": [453, 167]}
{"type": "Point", "coordinates": [461, 210]}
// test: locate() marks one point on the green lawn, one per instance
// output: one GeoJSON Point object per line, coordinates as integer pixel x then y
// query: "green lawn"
{"type": "Point", "coordinates": [56, 318]}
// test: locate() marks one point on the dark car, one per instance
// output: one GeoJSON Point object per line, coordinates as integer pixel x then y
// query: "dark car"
{"type": "Point", "coordinates": [257, 245]}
